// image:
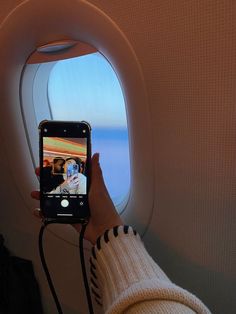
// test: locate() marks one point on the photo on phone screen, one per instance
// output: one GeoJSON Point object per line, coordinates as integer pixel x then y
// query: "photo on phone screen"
{"type": "Point", "coordinates": [64, 161]}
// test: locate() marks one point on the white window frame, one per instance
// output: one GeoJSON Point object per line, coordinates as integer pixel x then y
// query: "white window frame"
{"type": "Point", "coordinates": [34, 90]}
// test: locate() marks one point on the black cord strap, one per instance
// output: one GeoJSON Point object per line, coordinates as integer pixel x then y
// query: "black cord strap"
{"type": "Point", "coordinates": [41, 252]}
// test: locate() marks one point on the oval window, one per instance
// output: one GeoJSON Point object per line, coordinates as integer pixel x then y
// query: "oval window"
{"type": "Point", "coordinates": [87, 88]}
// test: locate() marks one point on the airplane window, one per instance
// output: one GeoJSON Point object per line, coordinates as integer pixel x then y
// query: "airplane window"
{"type": "Point", "coordinates": [87, 88]}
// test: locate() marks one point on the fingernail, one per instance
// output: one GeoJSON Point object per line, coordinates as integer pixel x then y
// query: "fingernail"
{"type": "Point", "coordinates": [96, 156]}
{"type": "Point", "coordinates": [37, 212]}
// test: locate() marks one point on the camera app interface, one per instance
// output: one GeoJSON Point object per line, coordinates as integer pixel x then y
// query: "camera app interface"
{"type": "Point", "coordinates": [64, 166]}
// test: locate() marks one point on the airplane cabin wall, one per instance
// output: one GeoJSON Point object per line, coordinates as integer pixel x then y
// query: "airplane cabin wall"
{"type": "Point", "coordinates": [186, 50]}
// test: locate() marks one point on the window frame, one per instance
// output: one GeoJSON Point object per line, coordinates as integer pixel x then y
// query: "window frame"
{"type": "Point", "coordinates": [37, 75]}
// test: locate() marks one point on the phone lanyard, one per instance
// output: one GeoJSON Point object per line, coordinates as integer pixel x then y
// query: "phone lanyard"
{"type": "Point", "coordinates": [82, 260]}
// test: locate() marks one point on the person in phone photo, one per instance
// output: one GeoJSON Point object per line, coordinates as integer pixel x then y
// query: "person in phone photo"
{"type": "Point", "coordinates": [52, 175]}
{"type": "Point", "coordinates": [74, 182]}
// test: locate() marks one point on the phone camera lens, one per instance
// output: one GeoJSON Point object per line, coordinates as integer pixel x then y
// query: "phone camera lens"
{"type": "Point", "coordinates": [45, 130]}
{"type": "Point", "coordinates": [65, 131]}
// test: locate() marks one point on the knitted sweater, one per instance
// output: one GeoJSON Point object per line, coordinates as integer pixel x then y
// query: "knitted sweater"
{"type": "Point", "coordinates": [125, 279]}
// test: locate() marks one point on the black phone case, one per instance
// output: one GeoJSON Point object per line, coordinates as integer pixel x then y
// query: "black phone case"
{"type": "Point", "coordinates": [56, 128]}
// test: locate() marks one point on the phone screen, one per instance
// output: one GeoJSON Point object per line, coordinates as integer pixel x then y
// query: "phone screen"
{"type": "Point", "coordinates": [64, 169]}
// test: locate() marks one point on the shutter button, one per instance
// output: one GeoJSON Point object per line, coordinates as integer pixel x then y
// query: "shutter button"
{"type": "Point", "coordinates": [64, 203]}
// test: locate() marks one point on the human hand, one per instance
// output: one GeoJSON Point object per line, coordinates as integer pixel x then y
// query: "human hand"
{"type": "Point", "coordinates": [71, 183]}
{"type": "Point", "coordinates": [103, 213]}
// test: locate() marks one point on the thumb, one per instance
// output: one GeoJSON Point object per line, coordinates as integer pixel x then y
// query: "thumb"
{"type": "Point", "coordinates": [96, 173]}
{"type": "Point", "coordinates": [97, 180]}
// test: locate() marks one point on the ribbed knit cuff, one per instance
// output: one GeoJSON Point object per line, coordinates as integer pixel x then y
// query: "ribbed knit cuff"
{"type": "Point", "coordinates": [118, 261]}
{"type": "Point", "coordinates": [124, 275]}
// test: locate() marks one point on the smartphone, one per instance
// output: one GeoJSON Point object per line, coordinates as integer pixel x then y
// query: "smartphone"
{"type": "Point", "coordinates": [72, 170]}
{"type": "Point", "coordinates": [65, 149]}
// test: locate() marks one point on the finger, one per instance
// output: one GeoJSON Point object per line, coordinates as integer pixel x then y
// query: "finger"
{"type": "Point", "coordinates": [35, 195]}
{"type": "Point", "coordinates": [96, 173]}
{"type": "Point", "coordinates": [97, 182]}
{"type": "Point", "coordinates": [76, 179]}
{"type": "Point", "coordinates": [77, 227]}
{"type": "Point", "coordinates": [37, 171]}
{"type": "Point", "coordinates": [37, 213]}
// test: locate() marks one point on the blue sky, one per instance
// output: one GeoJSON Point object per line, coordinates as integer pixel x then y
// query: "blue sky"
{"type": "Point", "coordinates": [90, 89]}
{"type": "Point", "coordinates": [87, 88]}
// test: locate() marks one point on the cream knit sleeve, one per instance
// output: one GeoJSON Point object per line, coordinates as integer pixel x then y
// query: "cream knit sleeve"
{"type": "Point", "coordinates": [125, 279]}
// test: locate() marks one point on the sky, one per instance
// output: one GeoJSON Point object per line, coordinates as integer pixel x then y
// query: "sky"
{"type": "Point", "coordinates": [90, 89]}
{"type": "Point", "coordinates": [87, 88]}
